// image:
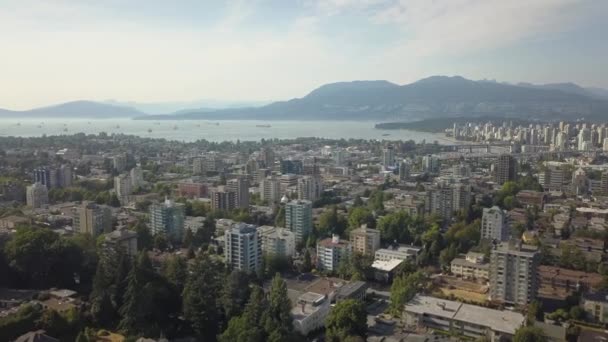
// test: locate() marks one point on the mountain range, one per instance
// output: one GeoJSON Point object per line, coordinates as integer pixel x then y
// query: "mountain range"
{"type": "Point", "coordinates": [75, 110]}
{"type": "Point", "coordinates": [436, 96]}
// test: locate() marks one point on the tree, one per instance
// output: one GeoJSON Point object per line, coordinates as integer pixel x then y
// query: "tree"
{"type": "Point", "coordinates": [248, 327]}
{"type": "Point", "coordinates": [175, 270]}
{"type": "Point", "coordinates": [201, 295]}
{"type": "Point", "coordinates": [347, 319]}
{"type": "Point", "coordinates": [235, 293]}
{"type": "Point", "coordinates": [114, 201]}
{"type": "Point", "coordinates": [404, 288]}
{"type": "Point", "coordinates": [306, 262]}
{"type": "Point", "coordinates": [279, 320]}
{"type": "Point", "coordinates": [188, 238]}
{"type": "Point", "coordinates": [331, 222]}
{"type": "Point", "coordinates": [160, 242]}
{"type": "Point", "coordinates": [529, 334]}
{"type": "Point", "coordinates": [279, 220]}
{"type": "Point", "coordinates": [359, 216]}
{"type": "Point", "coordinates": [131, 310]}
{"type": "Point", "coordinates": [447, 255]}
{"type": "Point", "coordinates": [43, 259]}
{"type": "Point", "coordinates": [534, 313]}
{"type": "Point", "coordinates": [394, 227]}
{"type": "Point", "coordinates": [145, 240]}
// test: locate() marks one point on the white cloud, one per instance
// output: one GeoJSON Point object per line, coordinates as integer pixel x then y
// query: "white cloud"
{"type": "Point", "coordinates": [464, 26]}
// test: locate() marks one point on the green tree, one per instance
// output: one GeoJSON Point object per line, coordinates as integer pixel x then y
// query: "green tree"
{"type": "Point", "coordinates": [347, 319]}
{"type": "Point", "coordinates": [359, 216]}
{"type": "Point", "coordinates": [279, 220]}
{"type": "Point", "coordinates": [201, 296]}
{"type": "Point", "coordinates": [534, 313]}
{"type": "Point", "coordinates": [529, 334]}
{"type": "Point", "coordinates": [145, 240]}
{"type": "Point", "coordinates": [331, 222]}
{"type": "Point", "coordinates": [306, 262]}
{"type": "Point", "coordinates": [279, 319]}
{"type": "Point", "coordinates": [394, 227]}
{"type": "Point", "coordinates": [235, 293]}
{"type": "Point", "coordinates": [131, 310]}
{"type": "Point", "coordinates": [114, 201]}
{"type": "Point", "coordinates": [175, 270]}
{"type": "Point", "coordinates": [160, 242]}
{"type": "Point", "coordinates": [248, 327]}
{"type": "Point", "coordinates": [188, 238]}
{"type": "Point", "coordinates": [403, 289]}
{"type": "Point", "coordinates": [43, 259]}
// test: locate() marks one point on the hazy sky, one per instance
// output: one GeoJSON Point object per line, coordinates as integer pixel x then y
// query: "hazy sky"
{"type": "Point", "coordinates": [168, 50]}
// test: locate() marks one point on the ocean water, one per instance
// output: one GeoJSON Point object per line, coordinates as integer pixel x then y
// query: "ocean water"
{"type": "Point", "coordinates": [232, 130]}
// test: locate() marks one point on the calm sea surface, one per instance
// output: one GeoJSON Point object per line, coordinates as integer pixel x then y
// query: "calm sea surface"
{"type": "Point", "coordinates": [212, 130]}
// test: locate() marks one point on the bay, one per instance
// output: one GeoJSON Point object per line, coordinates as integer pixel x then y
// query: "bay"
{"type": "Point", "coordinates": [226, 130]}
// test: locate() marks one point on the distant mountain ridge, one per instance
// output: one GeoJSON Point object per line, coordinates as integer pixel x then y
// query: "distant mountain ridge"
{"type": "Point", "coordinates": [75, 109]}
{"type": "Point", "coordinates": [432, 97]}
{"type": "Point", "coordinates": [436, 96]}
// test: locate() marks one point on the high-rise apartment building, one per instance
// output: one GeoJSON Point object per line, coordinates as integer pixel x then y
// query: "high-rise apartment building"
{"type": "Point", "coordinates": [388, 157]}
{"type": "Point", "coordinates": [430, 163]}
{"type": "Point", "coordinates": [513, 273]}
{"type": "Point", "coordinates": [119, 162]}
{"type": "Point", "coordinates": [123, 187]}
{"type": "Point", "coordinates": [298, 218]}
{"type": "Point", "coordinates": [340, 157]}
{"type": "Point", "coordinates": [167, 218]}
{"type": "Point", "coordinates": [270, 190]}
{"type": "Point", "coordinates": [365, 240]}
{"type": "Point", "coordinates": [292, 166]}
{"type": "Point", "coordinates": [583, 139]}
{"type": "Point", "coordinates": [505, 169]}
{"type": "Point", "coordinates": [137, 177]}
{"type": "Point", "coordinates": [445, 199]}
{"type": "Point", "coordinates": [222, 199]}
{"type": "Point", "coordinates": [243, 248]}
{"type": "Point", "coordinates": [51, 177]}
{"type": "Point", "coordinates": [240, 186]}
{"type": "Point", "coordinates": [552, 177]}
{"type": "Point", "coordinates": [198, 166]}
{"type": "Point", "coordinates": [92, 218]}
{"type": "Point", "coordinates": [37, 195]}
{"type": "Point", "coordinates": [494, 224]}
{"type": "Point", "coordinates": [310, 188]}
{"type": "Point", "coordinates": [267, 157]}
{"type": "Point", "coordinates": [404, 171]}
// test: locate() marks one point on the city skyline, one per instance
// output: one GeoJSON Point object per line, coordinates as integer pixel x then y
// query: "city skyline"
{"type": "Point", "coordinates": [266, 51]}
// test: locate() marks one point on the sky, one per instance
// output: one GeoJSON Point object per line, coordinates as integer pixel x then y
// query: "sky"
{"type": "Point", "coordinates": [55, 51]}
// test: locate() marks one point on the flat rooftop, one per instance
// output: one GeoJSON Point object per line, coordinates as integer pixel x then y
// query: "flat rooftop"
{"type": "Point", "coordinates": [502, 321]}
{"type": "Point", "coordinates": [387, 266]}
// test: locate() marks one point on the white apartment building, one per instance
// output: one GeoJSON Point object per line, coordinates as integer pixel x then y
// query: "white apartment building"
{"type": "Point", "coordinates": [494, 224]}
{"type": "Point", "coordinates": [330, 251]}
{"type": "Point", "coordinates": [277, 241]}
{"type": "Point", "coordinates": [270, 190]}
{"type": "Point", "coordinates": [37, 195]}
{"type": "Point", "coordinates": [243, 248]}
{"type": "Point", "coordinates": [399, 253]}
{"type": "Point", "coordinates": [472, 266]}
{"type": "Point", "coordinates": [310, 312]}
